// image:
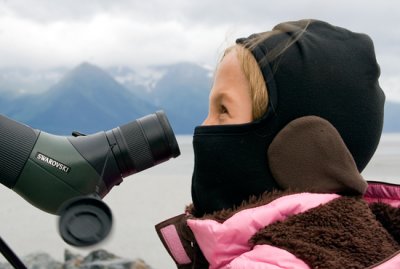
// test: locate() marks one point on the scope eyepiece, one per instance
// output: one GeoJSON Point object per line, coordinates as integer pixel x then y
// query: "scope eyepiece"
{"type": "Point", "coordinates": [143, 143]}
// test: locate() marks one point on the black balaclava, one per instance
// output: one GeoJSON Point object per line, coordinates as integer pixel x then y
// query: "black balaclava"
{"type": "Point", "coordinates": [326, 71]}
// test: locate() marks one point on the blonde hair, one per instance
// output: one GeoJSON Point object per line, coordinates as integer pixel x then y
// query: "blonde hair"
{"type": "Point", "coordinates": [251, 68]}
{"type": "Point", "coordinates": [257, 85]}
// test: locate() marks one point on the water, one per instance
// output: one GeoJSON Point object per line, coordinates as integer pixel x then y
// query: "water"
{"type": "Point", "coordinates": [139, 203]}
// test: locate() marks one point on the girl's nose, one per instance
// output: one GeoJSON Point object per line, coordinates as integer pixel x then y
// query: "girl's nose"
{"type": "Point", "coordinates": [208, 121]}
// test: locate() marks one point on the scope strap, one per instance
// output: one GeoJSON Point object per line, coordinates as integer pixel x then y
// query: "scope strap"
{"type": "Point", "coordinates": [10, 255]}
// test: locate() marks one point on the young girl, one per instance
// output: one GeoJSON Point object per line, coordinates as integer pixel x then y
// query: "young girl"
{"type": "Point", "coordinates": [295, 115]}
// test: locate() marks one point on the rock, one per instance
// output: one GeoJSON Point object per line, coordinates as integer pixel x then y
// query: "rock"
{"type": "Point", "coordinates": [71, 260]}
{"type": "Point", "coordinates": [38, 260]}
{"type": "Point", "coordinates": [98, 259]}
{"type": "Point", "coordinates": [139, 264]}
{"type": "Point", "coordinates": [99, 255]}
{"type": "Point", "coordinates": [41, 261]}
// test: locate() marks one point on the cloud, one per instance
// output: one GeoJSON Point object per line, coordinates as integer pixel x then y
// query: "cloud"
{"type": "Point", "coordinates": [391, 87]}
{"type": "Point", "coordinates": [41, 34]}
{"type": "Point", "coordinates": [46, 11]}
{"type": "Point", "coordinates": [45, 33]}
{"type": "Point", "coordinates": [105, 40]}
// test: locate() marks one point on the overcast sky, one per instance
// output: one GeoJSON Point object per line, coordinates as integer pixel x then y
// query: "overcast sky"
{"type": "Point", "coordinates": [47, 33]}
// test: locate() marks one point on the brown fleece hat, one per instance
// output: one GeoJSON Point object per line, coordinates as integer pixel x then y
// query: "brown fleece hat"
{"type": "Point", "coordinates": [308, 154]}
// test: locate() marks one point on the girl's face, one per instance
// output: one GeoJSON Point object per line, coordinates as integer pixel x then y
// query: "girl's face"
{"type": "Point", "coordinates": [230, 100]}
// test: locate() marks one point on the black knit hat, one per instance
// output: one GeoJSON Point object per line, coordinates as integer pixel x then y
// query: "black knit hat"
{"type": "Point", "coordinates": [314, 68]}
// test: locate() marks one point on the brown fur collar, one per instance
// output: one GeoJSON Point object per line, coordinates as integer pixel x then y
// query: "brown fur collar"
{"type": "Point", "coordinates": [345, 233]}
{"type": "Point", "coordinates": [341, 234]}
{"type": "Point", "coordinates": [389, 217]}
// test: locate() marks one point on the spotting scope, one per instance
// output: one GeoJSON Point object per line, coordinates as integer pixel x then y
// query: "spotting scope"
{"type": "Point", "coordinates": [47, 170]}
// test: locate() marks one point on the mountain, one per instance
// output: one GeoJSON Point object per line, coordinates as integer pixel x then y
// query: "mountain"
{"type": "Point", "coordinates": [89, 99]}
{"type": "Point", "coordinates": [183, 93]}
{"type": "Point", "coordinates": [392, 121]}
{"type": "Point", "coordinates": [86, 99]}
{"type": "Point", "coordinates": [18, 81]}
{"type": "Point", "coordinates": [181, 90]}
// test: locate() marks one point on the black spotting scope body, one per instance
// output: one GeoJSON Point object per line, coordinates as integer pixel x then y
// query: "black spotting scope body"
{"type": "Point", "coordinates": [47, 169]}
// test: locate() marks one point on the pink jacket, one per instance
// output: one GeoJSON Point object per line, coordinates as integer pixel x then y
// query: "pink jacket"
{"type": "Point", "coordinates": [298, 230]}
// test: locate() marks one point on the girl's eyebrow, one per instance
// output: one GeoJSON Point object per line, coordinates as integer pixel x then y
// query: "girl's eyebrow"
{"type": "Point", "coordinates": [221, 95]}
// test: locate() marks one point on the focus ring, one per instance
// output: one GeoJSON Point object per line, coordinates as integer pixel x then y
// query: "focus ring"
{"type": "Point", "coordinates": [138, 147]}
